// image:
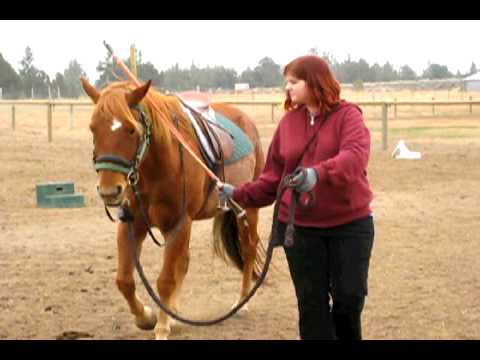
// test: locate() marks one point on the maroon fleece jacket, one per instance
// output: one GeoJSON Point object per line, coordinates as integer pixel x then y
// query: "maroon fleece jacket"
{"type": "Point", "coordinates": [339, 154]}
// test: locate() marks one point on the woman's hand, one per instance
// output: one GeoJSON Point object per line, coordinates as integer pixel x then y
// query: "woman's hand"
{"type": "Point", "coordinates": [304, 179]}
{"type": "Point", "coordinates": [225, 191]}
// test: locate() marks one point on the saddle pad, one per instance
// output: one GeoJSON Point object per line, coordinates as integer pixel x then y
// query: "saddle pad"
{"type": "Point", "coordinates": [243, 145]}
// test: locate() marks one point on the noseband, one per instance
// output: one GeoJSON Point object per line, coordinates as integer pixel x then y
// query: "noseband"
{"type": "Point", "coordinates": [118, 164]}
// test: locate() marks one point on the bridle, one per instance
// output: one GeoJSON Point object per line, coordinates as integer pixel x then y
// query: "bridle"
{"type": "Point", "coordinates": [128, 167]}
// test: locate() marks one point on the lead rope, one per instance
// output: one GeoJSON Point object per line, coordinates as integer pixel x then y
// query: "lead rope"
{"type": "Point", "coordinates": [145, 216]}
{"type": "Point", "coordinates": [287, 183]}
{"type": "Point", "coordinates": [126, 216]}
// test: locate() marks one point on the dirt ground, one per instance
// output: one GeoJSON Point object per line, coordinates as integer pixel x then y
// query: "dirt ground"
{"type": "Point", "coordinates": [58, 265]}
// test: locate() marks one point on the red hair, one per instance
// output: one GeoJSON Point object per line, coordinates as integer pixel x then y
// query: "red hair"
{"type": "Point", "coordinates": [319, 78]}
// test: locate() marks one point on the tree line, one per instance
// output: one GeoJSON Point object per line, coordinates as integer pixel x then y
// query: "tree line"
{"type": "Point", "coordinates": [31, 82]}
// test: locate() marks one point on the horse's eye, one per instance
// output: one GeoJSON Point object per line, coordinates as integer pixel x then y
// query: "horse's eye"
{"type": "Point", "coordinates": [131, 131]}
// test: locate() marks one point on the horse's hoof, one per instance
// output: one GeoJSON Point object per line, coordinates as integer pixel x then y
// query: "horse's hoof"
{"type": "Point", "coordinates": [243, 310]}
{"type": "Point", "coordinates": [162, 334]}
{"type": "Point", "coordinates": [148, 320]}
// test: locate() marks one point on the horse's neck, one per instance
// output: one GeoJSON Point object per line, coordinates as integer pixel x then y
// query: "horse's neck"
{"type": "Point", "coordinates": [167, 157]}
{"type": "Point", "coordinates": [164, 160]}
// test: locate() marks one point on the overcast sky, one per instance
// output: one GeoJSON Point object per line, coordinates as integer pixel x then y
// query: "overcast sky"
{"type": "Point", "coordinates": [240, 44]}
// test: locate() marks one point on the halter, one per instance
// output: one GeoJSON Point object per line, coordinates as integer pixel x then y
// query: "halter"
{"type": "Point", "coordinates": [118, 164]}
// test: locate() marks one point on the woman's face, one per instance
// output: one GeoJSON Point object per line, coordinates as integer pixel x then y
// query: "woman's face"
{"type": "Point", "coordinates": [297, 89]}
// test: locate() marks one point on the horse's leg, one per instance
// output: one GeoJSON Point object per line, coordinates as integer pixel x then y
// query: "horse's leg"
{"type": "Point", "coordinates": [145, 318]}
{"type": "Point", "coordinates": [174, 269]}
{"type": "Point", "coordinates": [249, 239]}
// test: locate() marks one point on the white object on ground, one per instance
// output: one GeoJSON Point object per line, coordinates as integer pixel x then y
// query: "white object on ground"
{"type": "Point", "coordinates": [402, 152]}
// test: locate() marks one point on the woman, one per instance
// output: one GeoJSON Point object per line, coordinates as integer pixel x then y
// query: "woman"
{"type": "Point", "coordinates": [330, 254]}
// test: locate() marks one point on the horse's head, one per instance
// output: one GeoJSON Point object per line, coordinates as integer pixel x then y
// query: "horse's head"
{"type": "Point", "coordinates": [119, 137]}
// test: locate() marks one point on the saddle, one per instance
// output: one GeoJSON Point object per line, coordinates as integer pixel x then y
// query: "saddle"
{"type": "Point", "coordinates": [197, 100]}
{"type": "Point", "coordinates": [216, 143]}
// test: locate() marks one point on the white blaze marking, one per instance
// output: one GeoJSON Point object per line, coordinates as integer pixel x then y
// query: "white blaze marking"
{"type": "Point", "coordinates": [116, 125]}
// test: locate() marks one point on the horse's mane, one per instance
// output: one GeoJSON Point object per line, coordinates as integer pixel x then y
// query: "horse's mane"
{"type": "Point", "coordinates": [112, 103]}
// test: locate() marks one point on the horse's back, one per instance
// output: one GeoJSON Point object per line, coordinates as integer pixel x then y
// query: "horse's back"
{"type": "Point", "coordinates": [244, 122]}
{"type": "Point", "coordinates": [241, 119]}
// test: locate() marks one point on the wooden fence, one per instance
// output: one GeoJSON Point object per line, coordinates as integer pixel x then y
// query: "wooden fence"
{"type": "Point", "coordinates": [385, 105]}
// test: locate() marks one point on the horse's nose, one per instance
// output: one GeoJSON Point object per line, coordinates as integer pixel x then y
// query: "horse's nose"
{"type": "Point", "coordinates": [109, 192]}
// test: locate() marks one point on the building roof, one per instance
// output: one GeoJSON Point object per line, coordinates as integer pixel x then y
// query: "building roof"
{"type": "Point", "coordinates": [475, 76]}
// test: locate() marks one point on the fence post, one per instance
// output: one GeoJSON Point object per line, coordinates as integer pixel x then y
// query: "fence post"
{"type": "Point", "coordinates": [470, 105]}
{"type": "Point", "coordinates": [273, 111]}
{"type": "Point", "coordinates": [49, 122]}
{"type": "Point", "coordinates": [433, 106]}
{"type": "Point", "coordinates": [395, 108]}
{"type": "Point", "coordinates": [13, 117]}
{"type": "Point", "coordinates": [384, 126]}
{"type": "Point", "coordinates": [71, 116]}
{"type": "Point", "coordinates": [133, 59]}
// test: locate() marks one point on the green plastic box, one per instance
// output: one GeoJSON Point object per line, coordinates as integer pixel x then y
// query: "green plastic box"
{"type": "Point", "coordinates": [58, 195]}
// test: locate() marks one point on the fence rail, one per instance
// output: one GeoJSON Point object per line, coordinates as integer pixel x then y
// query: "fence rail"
{"type": "Point", "coordinates": [273, 104]}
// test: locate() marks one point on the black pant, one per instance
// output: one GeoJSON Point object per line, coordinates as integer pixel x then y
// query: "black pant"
{"type": "Point", "coordinates": [330, 263]}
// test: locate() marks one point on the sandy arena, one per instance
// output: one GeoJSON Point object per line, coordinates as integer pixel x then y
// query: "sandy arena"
{"type": "Point", "coordinates": [58, 265]}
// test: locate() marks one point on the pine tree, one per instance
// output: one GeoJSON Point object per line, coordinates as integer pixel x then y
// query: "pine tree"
{"type": "Point", "coordinates": [35, 82]}
{"type": "Point", "coordinates": [473, 69]}
{"type": "Point", "coordinates": [10, 81]}
{"type": "Point", "coordinates": [71, 78]}
{"type": "Point", "coordinates": [27, 72]}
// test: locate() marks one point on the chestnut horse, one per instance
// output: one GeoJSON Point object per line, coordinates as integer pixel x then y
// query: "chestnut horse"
{"type": "Point", "coordinates": [165, 177]}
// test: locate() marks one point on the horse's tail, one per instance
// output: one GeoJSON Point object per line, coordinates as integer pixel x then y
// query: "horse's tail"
{"type": "Point", "coordinates": [226, 242]}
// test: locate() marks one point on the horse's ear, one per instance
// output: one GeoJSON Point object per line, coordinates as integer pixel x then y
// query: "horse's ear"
{"type": "Point", "coordinates": [134, 97]}
{"type": "Point", "coordinates": [90, 90]}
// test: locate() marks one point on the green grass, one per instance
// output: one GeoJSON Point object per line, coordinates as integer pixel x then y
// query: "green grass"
{"type": "Point", "coordinates": [443, 131]}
